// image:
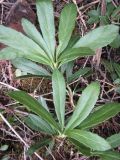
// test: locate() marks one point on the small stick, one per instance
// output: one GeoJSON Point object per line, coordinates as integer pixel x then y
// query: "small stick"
{"type": "Point", "coordinates": [9, 86]}
{"type": "Point", "coordinates": [1, 1]}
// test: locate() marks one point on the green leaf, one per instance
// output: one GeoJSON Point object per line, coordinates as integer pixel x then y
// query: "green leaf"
{"type": "Point", "coordinates": [46, 21]}
{"type": "Point", "coordinates": [66, 26]}
{"type": "Point", "coordinates": [89, 139]}
{"type": "Point", "coordinates": [9, 54]}
{"type": "Point", "coordinates": [116, 14]}
{"type": "Point", "coordinates": [38, 124]}
{"type": "Point", "coordinates": [99, 37]}
{"type": "Point", "coordinates": [72, 41]}
{"type": "Point", "coordinates": [74, 53]}
{"type": "Point", "coordinates": [59, 95]}
{"type": "Point", "coordinates": [95, 13]}
{"type": "Point", "coordinates": [85, 105]}
{"type": "Point", "coordinates": [42, 101]}
{"type": "Point", "coordinates": [81, 148]}
{"type": "Point", "coordinates": [20, 46]}
{"type": "Point", "coordinates": [69, 69]}
{"type": "Point", "coordinates": [94, 16]}
{"type": "Point", "coordinates": [114, 140]}
{"type": "Point", "coordinates": [18, 41]}
{"type": "Point", "coordinates": [38, 145]}
{"type": "Point", "coordinates": [107, 155]}
{"type": "Point", "coordinates": [117, 68]}
{"type": "Point", "coordinates": [78, 74]}
{"type": "Point", "coordinates": [104, 113]}
{"type": "Point", "coordinates": [33, 33]}
{"type": "Point", "coordinates": [104, 20]}
{"type": "Point", "coordinates": [116, 42]}
{"type": "Point", "coordinates": [108, 65]}
{"type": "Point", "coordinates": [30, 67]}
{"type": "Point", "coordinates": [4, 147]}
{"type": "Point", "coordinates": [33, 105]}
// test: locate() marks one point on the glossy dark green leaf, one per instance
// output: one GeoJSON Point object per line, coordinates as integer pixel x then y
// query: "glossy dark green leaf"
{"type": "Point", "coordinates": [89, 139]}
{"type": "Point", "coordinates": [94, 16]}
{"type": "Point", "coordinates": [104, 20]}
{"type": "Point", "coordinates": [46, 21]}
{"type": "Point", "coordinates": [34, 106]}
{"type": "Point", "coordinates": [93, 19]}
{"type": "Point", "coordinates": [102, 114]}
{"type": "Point", "coordinates": [94, 13]}
{"type": "Point", "coordinates": [59, 95]}
{"type": "Point", "coordinates": [38, 124]}
{"type": "Point", "coordinates": [38, 145]}
{"type": "Point", "coordinates": [107, 155]}
{"type": "Point", "coordinates": [30, 67]}
{"type": "Point", "coordinates": [84, 105]}
{"type": "Point", "coordinates": [33, 33]}
{"type": "Point", "coordinates": [66, 26]}
{"type": "Point", "coordinates": [78, 74]}
{"type": "Point", "coordinates": [40, 59]}
{"type": "Point", "coordinates": [67, 68]}
{"type": "Point", "coordinates": [98, 38]}
{"type": "Point", "coordinates": [114, 140]}
{"type": "Point", "coordinates": [109, 9]}
{"type": "Point", "coordinates": [74, 53]}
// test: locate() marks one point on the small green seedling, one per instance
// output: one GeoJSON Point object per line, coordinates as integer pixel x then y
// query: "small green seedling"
{"type": "Point", "coordinates": [74, 128]}
{"type": "Point", "coordinates": [41, 47]}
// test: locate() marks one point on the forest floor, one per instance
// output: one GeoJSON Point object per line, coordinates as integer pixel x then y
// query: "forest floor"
{"type": "Point", "coordinates": [11, 13]}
